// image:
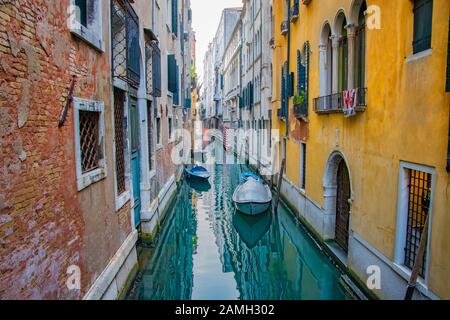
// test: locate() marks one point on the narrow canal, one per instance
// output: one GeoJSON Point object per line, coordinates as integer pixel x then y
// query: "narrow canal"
{"type": "Point", "coordinates": [206, 250]}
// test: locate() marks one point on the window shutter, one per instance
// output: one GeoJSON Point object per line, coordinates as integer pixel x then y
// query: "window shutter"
{"type": "Point", "coordinates": [423, 16]}
{"type": "Point", "coordinates": [171, 73]}
{"type": "Point", "coordinates": [133, 48]}
{"type": "Point", "coordinates": [301, 75]}
{"type": "Point", "coordinates": [175, 17]}
{"type": "Point", "coordinates": [176, 94]}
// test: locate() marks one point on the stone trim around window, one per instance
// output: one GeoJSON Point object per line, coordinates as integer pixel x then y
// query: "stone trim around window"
{"type": "Point", "coordinates": [84, 180]}
{"type": "Point", "coordinates": [92, 34]}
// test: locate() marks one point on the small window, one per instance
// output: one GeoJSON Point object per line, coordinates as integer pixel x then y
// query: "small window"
{"type": "Point", "coordinates": [423, 19]}
{"type": "Point", "coordinates": [85, 22]}
{"type": "Point", "coordinates": [89, 140]}
{"type": "Point", "coordinates": [81, 13]}
{"type": "Point", "coordinates": [419, 192]}
{"type": "Point", "coordinates": [170, 129]}
{"type": "Point", "coordinates": [89, 136]}
{"type": "Point", "coordinates": [303, 167]}
{"type": "Point", "coordinates": [415, 205]}
{"type": "Point", "coordinates": [158, 131]}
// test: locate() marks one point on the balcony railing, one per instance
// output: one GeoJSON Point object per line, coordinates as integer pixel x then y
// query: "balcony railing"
{"type": "Point", "coordinates": [295, 12]}
{"type": "Point", "coordinates": [334, 103]}
{"type": "Point", "coordinates": [284, 27]}
{"type": "Point", "coordinates": [301, 111]}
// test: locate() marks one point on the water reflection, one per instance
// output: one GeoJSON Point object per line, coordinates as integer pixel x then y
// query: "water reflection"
{"type": "Point", "coordinates": [208, 251]}
{"type": "Point", "coordinates": [251, 229]}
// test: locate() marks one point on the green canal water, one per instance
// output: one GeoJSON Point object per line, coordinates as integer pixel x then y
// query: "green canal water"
{"type": "Point", "coordinates": [207, 251]}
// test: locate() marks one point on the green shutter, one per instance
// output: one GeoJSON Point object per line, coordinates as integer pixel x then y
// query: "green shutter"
{"type": "Point", "coordinates": [175, 17]}
{"type": "Point", "coordinates": [423, 19]}
{"type": "Point", "coordinates": [171, 73]}
{"type": "Point", "coordinates": [176, 94]}
{"type": "Point", "coordinates": [301, 75]}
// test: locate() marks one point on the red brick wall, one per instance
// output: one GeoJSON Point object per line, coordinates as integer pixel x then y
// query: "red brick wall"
{"type": "Point", "coordinates": [45, 224]}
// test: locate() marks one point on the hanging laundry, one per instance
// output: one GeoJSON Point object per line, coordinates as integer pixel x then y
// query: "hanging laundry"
{"type": "Point", "coordinates": [350, 102]}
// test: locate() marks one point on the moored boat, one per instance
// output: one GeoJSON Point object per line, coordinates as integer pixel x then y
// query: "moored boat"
{"type": "Point", "coordinates": [253, 196]}
{"type": "Point", "coordinates": [199, 172]}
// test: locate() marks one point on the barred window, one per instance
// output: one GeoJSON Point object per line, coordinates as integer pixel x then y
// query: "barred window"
{"type": "Point", "coordinates": [89, 140]}
{"type": "Point", "coordinates": [419, 198]}
{"type": "Point", "coordinates": [119, 99]}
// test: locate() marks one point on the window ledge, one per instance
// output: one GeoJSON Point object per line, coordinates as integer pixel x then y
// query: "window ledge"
{"type": "Point", "coordinates": [122, 200]}
{"type": "Point", "coordinates": [159, 147]}
{"type": "Point", "coordinates": [419, 55]}
{"type": "Point", "coordinates": [405, 273]}
{"type": "Point", "coordinates": [90, 178]}
{"type": "Point", "coordinates": [88, 36]}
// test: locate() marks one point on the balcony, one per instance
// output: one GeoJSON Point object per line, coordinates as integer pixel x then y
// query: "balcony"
{"type": "Point", "coordinates": [301, 111]}
{"type": "Point", "coordinates": [284, 27]}
{"type": "Point", "coordinates": [295, 12]}
{"type": "Point", "coordinates": [334, 103]}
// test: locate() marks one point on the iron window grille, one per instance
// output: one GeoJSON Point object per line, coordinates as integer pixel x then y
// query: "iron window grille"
{"type": "Point", "coordinates": [419, 200]}
{"type": "Point", "coordinates": [119, 100]}
{"type": "Point", "coordinates": [125, 42]}
{"type": "Point", "coordinates": [89, 140]}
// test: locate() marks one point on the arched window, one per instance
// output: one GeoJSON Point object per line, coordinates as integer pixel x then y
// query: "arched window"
{"type": "Point", "coordinates": [360, 49]}
{"type": "Point", "coordinates": [326, 62]}
{"type": "Point", "coordinates": [343, 56]}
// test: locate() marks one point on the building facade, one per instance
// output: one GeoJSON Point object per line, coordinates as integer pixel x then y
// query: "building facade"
{"type": "Point", "coordinates": [213, 82]}
{"type": "Point", "coordinates": [85, 152]}
{"type": "Point", "coordinates": [357, 94]}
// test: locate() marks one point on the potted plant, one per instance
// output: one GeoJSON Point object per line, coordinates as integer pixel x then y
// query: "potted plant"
{"type": "Point", "coordinates": [301, 106]}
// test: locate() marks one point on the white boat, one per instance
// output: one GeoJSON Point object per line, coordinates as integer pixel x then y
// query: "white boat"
{"type": "Point", "coordinates": [253, 197]}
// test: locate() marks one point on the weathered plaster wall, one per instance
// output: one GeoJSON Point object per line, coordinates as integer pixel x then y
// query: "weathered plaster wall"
{"type": "Point", "coordinates": [45, 224]}
{"type": "Point", "coordinates": [406, 120]}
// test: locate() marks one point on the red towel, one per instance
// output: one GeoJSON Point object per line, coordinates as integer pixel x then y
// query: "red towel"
{"type": "Point", "coordinates": [350, 102]}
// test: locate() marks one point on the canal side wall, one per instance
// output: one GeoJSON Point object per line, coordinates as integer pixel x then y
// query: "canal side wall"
{"type": "Point", "coordinates": [361, 254]}
{"type": "Point", "coordinates": [155, 214]}
{"type": "Point", "coordinates": [117, 276]}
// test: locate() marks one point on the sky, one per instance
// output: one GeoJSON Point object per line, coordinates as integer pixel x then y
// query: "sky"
{"type": "Point", "coordinates": [205, 20]}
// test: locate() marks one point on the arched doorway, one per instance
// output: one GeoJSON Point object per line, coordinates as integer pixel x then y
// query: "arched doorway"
{"type": "Point", "coordinates": [342, 206]}
{"type": "Point", "coordinates": [337, 200]}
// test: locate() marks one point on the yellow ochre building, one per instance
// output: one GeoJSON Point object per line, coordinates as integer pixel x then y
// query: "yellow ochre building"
{"type": "Point", "coordinates": [368, 184]}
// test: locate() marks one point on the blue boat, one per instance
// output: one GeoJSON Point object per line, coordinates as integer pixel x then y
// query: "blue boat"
{"type": "Point", "coordinates": [199, 172]}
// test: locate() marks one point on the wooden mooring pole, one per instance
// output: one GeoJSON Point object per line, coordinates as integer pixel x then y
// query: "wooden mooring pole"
{"type": "Point", "coordinates": [280, 182]}
{"type": "Point", "coordinates": [418, 263]}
